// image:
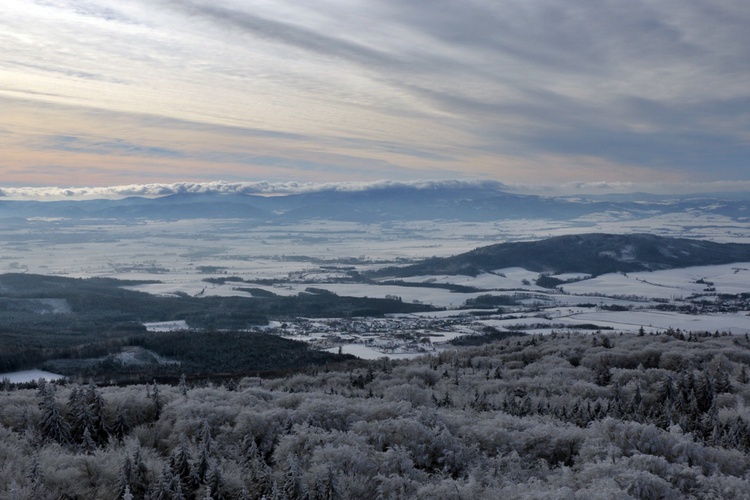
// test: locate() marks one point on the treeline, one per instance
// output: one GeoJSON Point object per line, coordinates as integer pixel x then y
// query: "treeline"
{"type": "Point", "coordinates": [233, 353]}
{"type": "Point", "coordinates": [559, 416]}
{"type": "Point", "coordinates": [167, 355]}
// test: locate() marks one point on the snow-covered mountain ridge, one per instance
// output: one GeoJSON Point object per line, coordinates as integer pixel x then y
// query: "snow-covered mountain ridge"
{"type": "Point", "coordinates": [462, 202]}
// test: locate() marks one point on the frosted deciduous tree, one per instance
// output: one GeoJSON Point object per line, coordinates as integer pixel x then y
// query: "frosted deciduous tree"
{"type": "Point", "coordinates": [546, 429]}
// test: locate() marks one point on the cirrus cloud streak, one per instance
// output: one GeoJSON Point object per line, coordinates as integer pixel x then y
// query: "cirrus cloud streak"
{"type": "Point", "coordinates": [515, 91]}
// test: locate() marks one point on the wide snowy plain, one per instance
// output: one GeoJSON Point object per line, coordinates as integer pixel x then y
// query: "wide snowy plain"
{"type": "Point", "coordinates": [180, 255]}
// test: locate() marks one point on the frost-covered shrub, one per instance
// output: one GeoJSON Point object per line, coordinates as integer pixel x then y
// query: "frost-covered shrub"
{"type": "Point", "coordinates": [674, 361]}
{"type": "Point", "coordinates": [422, 376]}
{"type": "Point", "coordinates": [414, 395]}
{"type": "Point", "coordinates": [645, 486]}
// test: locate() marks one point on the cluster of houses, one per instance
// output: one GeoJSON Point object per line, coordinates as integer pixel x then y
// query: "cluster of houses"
{"type": "Point", "coordinates": [399, 334]}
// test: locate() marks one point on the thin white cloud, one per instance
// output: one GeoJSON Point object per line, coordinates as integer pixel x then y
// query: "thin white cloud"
{"type": "Point", "coordinates": [222, 187]}
{"type": "Point", "coordinates": [266, 188]}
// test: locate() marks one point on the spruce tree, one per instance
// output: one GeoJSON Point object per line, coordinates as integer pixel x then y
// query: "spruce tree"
{"type": "Point", "coordinates": [215, 482]}
{"type": "Point", "coordinates": [182, 386]}
{"type": "Point", "coordinates": [87, 444]}
{"type": "Point", "coordinates": [292, 486]}
{"type": "Point", "coordinates": [742, 377]}
{"type": "Point", "coordinates": [158, 403]}
{"type": "Point", "coordinates": [205, 436]}
{"type": "Point", "coordinates": [167, 487]}
{"type": "Point", "coordinates": [97, 410]}
{"type": "Point", "coordinates": [180, 464]}
{"type": "Point", "coordinates": [121, 426]}
{"type": "Point", "coordinates": [52, 425]}
{"type": "Point", "coordinates": [201, 465]}
{"type": "Point", "coordinates": [140, 480]}
{"type": "Point", "coordinates": [722, 383]}
{"type": "Point", "coordinates": [125, 478]}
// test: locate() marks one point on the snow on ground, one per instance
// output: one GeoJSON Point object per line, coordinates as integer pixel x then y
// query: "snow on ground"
{"type": "Point", "coordinates": [633, 320]}
{"type": "Point", "coordinates": [628, 321]}
{"type": "Point", "coordinates": [25, 376]}
{"type": "Point", "coordinates": [156, 249]}
{"type": "Point", "coordinates": [138, 356]}
{"type": "Point", "coordinates": [621, 285]}
{"type": "Point", "coordinates": [439, 297]}
{"type": "Point", "coordinates": [668, 284]}
{"type": "Point", "coordinates": [625, 321]}
{"type": "Point", "coordinates": [194, 287]}
{"type": "Point", "coordinates": [167, 326]}
{"type": "Point", "coordinates": [500, 279]}
{"type": "Point", "coordinates": [526, 322]}
{"type": "Point", "coordinates": [182, 254]}
{"type": "Point", "coordinates": [364, 352]}
{"type": "Point", "coordinates": [432, 314]}
{"type": "Point", "coordinates": [446, 336]}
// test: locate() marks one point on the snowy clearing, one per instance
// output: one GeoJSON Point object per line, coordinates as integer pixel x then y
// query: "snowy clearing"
{"type": "Point", "coordinates": [167, 326]}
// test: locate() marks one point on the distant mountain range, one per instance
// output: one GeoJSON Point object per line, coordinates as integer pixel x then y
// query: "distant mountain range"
{"type": "Point", "coordinates": [471, 203]}
{"type": "Point", "coordinates": [591, 254]}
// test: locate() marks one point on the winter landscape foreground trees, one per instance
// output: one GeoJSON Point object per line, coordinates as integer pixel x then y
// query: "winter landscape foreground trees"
{"type": "Point", "coordinates": [558, 416]}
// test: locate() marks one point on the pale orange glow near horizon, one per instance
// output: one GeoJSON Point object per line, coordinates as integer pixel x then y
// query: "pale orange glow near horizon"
{"type": "Point", "coordinates": [98, 92]}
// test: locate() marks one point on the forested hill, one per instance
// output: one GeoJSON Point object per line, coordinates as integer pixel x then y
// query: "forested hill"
{"type": "Point", "coordinates": [592, 254]}
{"type": "Point", "coordinates": [575, 416]}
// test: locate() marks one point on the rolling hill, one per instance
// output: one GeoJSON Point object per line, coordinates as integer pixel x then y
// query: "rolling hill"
{"type": "Point", "coordinates": [592, 254]}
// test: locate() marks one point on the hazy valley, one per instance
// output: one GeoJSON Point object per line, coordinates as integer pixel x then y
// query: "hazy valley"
{"type": "Point", "coordinates": [378, 245]}
{"type": "Point", "coordinates": [348, 346]}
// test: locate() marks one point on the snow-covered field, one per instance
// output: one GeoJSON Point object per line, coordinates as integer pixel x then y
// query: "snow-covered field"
{"type": "Point", "coordinates": [364, 352]}
{"type": "Point", "coordinates": [633, 320]}
{"type": "Point", "coordinates": [167, 326]}
{"type": "Point", "coordinates": [669, 284]}
{"type": "Point", "coordinates": [180, 255]}
{"type": "Point", "coordinates": [629, 321]}
{"type": "Point", "coordinates": [177, 250]}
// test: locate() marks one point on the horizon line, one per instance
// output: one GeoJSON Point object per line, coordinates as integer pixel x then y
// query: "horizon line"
{"type": "Point", "coordinates": [280, 188]}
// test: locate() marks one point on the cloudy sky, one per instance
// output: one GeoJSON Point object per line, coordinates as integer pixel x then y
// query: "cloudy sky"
{"type": "Point", "coordinates": [577, 92]}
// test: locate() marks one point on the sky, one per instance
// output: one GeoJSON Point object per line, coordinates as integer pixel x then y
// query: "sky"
{"type": "Point", "coordinates": [580, 93]}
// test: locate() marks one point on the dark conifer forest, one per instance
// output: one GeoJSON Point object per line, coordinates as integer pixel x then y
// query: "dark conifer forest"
{"type": "Point", "coordinates": [99, 318]}
{"type": "Point", "coordinates": [567, 415]}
